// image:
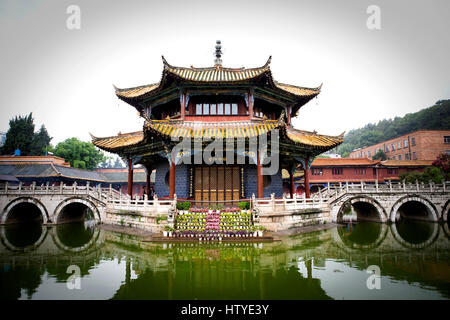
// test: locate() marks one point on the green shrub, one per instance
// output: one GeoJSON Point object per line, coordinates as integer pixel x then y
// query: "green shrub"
{"type": "Point", "coordinates": [244, 205]}
{"type": "Point", "coordinates": [158, 219]}
{"type": "Point", "coordinates": [183, 205]}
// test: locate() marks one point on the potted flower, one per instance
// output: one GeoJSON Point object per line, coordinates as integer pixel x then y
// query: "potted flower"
{"type": "Point", "coordinates": [261, 229]}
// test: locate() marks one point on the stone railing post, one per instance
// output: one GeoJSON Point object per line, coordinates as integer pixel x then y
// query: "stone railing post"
{"type": "Point", "coordinates": [346, 186]}
{"type": "Point", "coordinates": [6, 187]}
{"type": "Point", "coordinates": [74, 187]}
{"type": "Point", "coordinates": [272, 199]}
{"type": "Point", "coordinates": [443, 184]}
{"type": "Point", "coordinates": [376, 186]}
{"type": "Point", "coordinates": [20, 186]}
{"type": "Point", "coordinates": [404, 185]}
{"type": "Point", "coordinates": [87, 187]}
{"type": "Point", "coordinates": [390, 186]}
{"type": "Point", "coordinates": [431, 185]}
{"type": "Point", "coordinates": [155, 203]}
{"type": "Point", "coordinates": [320, 195]}
{"type": "Point", "coordinates": [417, 185]}
{"type": "Point", "coordinates": [362, 186]}
{"type": "Point", "coordinates": [110, 191]}
{"type": "Point", "coordinates": [33, 186]}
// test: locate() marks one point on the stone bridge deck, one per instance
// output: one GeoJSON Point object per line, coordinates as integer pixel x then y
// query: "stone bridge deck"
{"type": "Point", "coordinates": [377, 202]}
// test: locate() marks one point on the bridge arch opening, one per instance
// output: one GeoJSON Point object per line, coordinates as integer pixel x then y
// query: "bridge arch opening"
{"type": "Point", "coordinates": [413, 208]}
{"type": "Point", "coordinates": [24, 213]}
{"type": "Point", "coordinates": [361, 209]}
{"type": "Point", "coordinates": [75, 212]}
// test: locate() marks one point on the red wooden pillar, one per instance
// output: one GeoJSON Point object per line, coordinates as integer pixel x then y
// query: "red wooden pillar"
{"type": "Point", "coordinates": [306, 177]}
{"type": "Point", "coordinates": [292, 186]}
{"type": "Point", "coordinates": [183, 105]}
{"type": "Point", "coordinates": [288, 114]}
{"type": "Point", "coordinates": [250, 103]}
{"type": "Point", "coordinates": [259, 177]}
{"type": "Point", "coordinates": [130, 177]}
{"type": "Point", "coordinates": [172, 178]}
{"type": "Point", "coordinates": [148, 182]}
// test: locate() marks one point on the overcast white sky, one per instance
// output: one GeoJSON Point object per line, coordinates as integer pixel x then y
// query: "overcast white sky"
{"type": "Point", "coordinates": [65, 77]}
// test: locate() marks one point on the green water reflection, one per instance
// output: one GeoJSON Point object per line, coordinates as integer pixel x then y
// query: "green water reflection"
{"type": "Point", "coordinates": [329, 264]}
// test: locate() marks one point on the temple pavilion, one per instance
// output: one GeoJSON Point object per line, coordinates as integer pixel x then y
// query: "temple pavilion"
{"type": "Point", "coordinates": [205, 104]}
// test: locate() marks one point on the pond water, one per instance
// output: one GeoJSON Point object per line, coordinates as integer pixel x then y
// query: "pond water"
{"type": "Point", "coordinates": [413, 259]}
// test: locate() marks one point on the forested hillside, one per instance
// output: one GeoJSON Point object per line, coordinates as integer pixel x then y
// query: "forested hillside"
{"type": "Point", "coordinates": [436, 117]}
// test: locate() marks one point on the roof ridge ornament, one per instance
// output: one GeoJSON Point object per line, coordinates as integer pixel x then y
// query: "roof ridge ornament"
{"type": "Point", "coordinates": [268, 62]}
{"type": "Point", "coordinates": [166, 64]}
{"type": "Point", "coordinates": [218, 54]}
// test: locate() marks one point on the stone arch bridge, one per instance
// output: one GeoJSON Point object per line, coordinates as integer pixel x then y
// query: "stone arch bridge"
{"type": "Point", "coordinates": [388, 202]}
{"type": "Point", "coordinates": [53, 204]}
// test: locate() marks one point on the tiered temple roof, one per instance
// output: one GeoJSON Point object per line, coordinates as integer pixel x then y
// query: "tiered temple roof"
{"type": "Point", "coordinates": [217, 75]}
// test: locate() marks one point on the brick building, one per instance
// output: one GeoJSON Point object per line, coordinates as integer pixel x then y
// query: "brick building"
{"type": "Point", "coordinates": [331, 171]}
{"type": "Point", "coordinates": [417, 145]}
{"type": "Point", "coordinates": [335, 171]}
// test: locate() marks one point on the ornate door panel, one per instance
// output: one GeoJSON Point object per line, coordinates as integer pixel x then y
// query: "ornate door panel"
{"type": "Point", "coordinates": [217, 183]}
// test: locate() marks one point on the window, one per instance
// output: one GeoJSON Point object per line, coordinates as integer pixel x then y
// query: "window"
{"type": "Point", "coordinates": [392, 147]}
{"type": "Point", "coordinates": [447, 139]}
{"type": "Point", "coordinates": [387, 148]}
{"type": "Point", "coordinates": [337, 171]}
{"type": "Point", "coordinates": [360, 171]}
{"type": "Point", "coordinates": [414, 156]}
{"type": "Point", "coordinates": [206, 108]}
{"type": "Point", "coordinates": [399, 145]}
{"type": "Point", "coordinates": [216, 109]}
{"type": "Point", "coordinates": [405, 143]}
{"type": "Point", "coordinates": [406, 156]}
{"type": "Point", "coordinates": [317, 172]}
{"type": "Point", "coordinates": [399, 157]}
{"type": "Point", "coordinates": [413, 141]}
{"type": "Point", "coordinates": [370, 153]}
{"type": "Point", "coordinates": [234, 109]}
{"type": "Point", "coordinates": [198, 109]}
{"type": "Point", "coordinates": [392, 171]}
{"type": "Point", "coordinates": [375, 151]}
{"type": "Point", "coordinates": [393, 158]}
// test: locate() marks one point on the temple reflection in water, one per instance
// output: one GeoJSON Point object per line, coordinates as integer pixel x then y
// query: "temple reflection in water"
{"type": "Point", "coordinates": [308, 266]}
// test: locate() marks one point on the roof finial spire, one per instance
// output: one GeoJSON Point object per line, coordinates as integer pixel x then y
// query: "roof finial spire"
{"type": "Point", "coordinates": [218, 54]}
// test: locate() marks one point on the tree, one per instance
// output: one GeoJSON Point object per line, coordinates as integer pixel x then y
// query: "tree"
{"type": "Point", "coordinates": [19, 136]}
{"type": "Point", "coordinates": [41, 142]}
{"type": "Point", "coordinates": [118, 164]}
{"type": "Point", "coordinates": [107, 162]}
{"type": "Point", "coordinates": [436, 117]}
{"type": "Point", "coordinates": [80, 154]}
{"type": "Point", "coordinates": [380, 155]}
{"type": "Point", "coordinates": [443, 163]}
{"type": "Point", "coordinates": [429, 174]}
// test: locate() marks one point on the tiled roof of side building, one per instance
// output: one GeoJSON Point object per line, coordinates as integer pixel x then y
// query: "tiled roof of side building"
{"type": "Point", "coordinates": [122, 177]}
{"type": "Point", "coordinates": [325, 162]}
{"type": "Point", "coordinates": [407, 163]}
